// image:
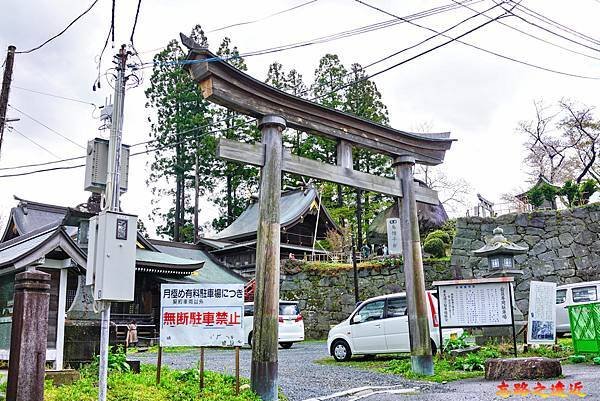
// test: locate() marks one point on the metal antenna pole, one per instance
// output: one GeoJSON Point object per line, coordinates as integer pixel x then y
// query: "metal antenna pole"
{"type": "Point", "coordinates": [6, 80]}
{"type": "Point", "coordinates": [113, 187]}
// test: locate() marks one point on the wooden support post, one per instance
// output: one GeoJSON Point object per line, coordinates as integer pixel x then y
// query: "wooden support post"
{"type": "Point", "coordinates": [159, 365]}
{"type": "Point", "coordinates": [27, 360]}
{"type": "Point", "coordinates": [418, 322]}
{"type": "Point", "coordinates": [201, 369]}
{"type": "Point", "coordinates": [263, 375]}
{"type": "Point", "coordinates": [237, 370]}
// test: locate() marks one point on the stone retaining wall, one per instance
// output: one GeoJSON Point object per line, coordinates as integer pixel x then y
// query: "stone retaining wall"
{"type": "Point", "coordinates": [564, 246]}
{"type": "Point", "coordinates": [326, 297]}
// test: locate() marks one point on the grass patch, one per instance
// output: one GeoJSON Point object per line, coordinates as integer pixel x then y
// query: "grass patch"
{"type": "Point", "coordinates": [175, 386]}
{"type": "Point", "coordinates": [399, 364]}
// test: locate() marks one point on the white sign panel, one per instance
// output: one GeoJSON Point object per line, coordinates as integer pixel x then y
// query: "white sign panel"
{"type": "Point", "coordinates": [475, 304]}
{"type": "Point", "coordinates": [541, 327]}
{"type": "Point", "coordinates": [393, 236]}
{"type": "Point", "coordinates": [202, 315]}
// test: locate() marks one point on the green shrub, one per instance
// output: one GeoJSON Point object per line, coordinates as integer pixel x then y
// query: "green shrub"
{"type": "Point", "coordinates": [443, 235]}
{"type": "Point", "coordinates": [117, 361]}
{"type": "Point", "coordinates": [456, 343]}
{"type": "Point", "coordinates": [470, 363]}
{"type": "Point", "coordinates": [435, 247]}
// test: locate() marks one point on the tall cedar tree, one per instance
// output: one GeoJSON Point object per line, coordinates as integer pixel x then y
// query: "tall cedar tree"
{"type": "Point", "coordinates": [178, 108]}
{"type": "Point", "coordinates": [241, 181]}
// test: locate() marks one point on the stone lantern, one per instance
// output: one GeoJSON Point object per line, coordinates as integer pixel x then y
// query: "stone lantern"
{"type": "Point", "coordinates": [500, 253]}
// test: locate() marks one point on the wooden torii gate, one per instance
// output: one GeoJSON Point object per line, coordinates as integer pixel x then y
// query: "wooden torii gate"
{"type": "Point", "coordinates": [225, 85]}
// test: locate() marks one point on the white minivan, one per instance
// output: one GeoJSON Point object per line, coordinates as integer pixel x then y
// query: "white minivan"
{"type": "Point", "coordinates": [570, 294]}
{"type": "Point", "coordinates": [380, 326]}
{"type": "Point", "coordinates": [291, 324]}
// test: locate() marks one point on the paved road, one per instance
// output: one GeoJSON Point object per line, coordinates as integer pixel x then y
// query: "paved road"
{"type": "Point", "coordinates": [301, 378]}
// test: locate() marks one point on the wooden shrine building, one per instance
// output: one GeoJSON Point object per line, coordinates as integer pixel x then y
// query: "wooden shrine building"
{"type": "Point", "coordinates": [303, 220]}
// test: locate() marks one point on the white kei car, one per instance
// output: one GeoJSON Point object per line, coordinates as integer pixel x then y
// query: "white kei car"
{"type": "Point", "coordinates": [380, 326]}
{"type": "Point", "coordinates": [291, 324]}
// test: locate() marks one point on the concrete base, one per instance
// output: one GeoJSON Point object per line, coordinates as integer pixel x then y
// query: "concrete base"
{"type": "Point", "coordinates": [62, 377]}
{"type": "Point", "coordinates": [422, 365]}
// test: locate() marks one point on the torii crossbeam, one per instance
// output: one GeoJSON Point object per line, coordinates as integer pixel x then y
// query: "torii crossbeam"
{"type": "Point", "coordinates": [225, 85]}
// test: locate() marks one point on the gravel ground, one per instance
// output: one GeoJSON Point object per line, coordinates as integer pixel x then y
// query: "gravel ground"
{"type": "Point", "coordinates": [301, 378]}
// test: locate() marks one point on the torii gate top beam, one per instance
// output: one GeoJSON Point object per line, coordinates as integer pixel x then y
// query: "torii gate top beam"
{"type": "Point", "coordinates": [223, 84]}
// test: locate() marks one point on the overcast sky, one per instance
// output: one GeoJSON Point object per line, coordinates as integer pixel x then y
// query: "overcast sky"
{"type": "Point", "coordinates": [478, 97]}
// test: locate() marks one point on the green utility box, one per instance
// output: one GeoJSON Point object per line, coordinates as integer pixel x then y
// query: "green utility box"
{"type": "Point", "coordinates": [585, 327]}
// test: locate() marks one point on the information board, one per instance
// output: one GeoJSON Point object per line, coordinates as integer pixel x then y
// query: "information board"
{"type": "Point", "coordinates": [202, 315]}
{"type": "Point", "coordinates": [393, 236]}
{"type": "Point", "coordinates": [541, 327]}
{"type": "Point", "coordinates": [475, 304]}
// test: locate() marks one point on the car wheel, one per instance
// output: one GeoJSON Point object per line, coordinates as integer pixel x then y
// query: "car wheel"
{"type": "Point", "coordinates": [250, 339]}
{"type": "Point", "coordinates": [340, 350]}
{"type": "Point", "coordinates": [433, 348]}
{"type": "Point", "coordinates": [286, 345]}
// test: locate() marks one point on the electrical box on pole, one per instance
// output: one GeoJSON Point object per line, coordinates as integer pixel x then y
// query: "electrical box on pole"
{"type": "Point", "coordinates": [111, 256]}
{"type": "Point", "coordinates": [96, 165]}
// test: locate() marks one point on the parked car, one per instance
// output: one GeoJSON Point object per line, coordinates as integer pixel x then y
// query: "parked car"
{"type": "Point", "coordinates": [570, 294]}
{"type": "Point", "coordinates": [291, 324]}
{"type": "Point", "coordinates": [380, 326]}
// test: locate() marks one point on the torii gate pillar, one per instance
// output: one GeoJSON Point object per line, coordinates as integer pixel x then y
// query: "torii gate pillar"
{"type": "Point", "coordinates": [266, 298]}
{"type": "Point", "coordinates": [418, 323]}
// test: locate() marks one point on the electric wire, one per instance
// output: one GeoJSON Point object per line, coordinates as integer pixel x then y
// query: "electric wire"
{"type": "Point", "coordinates": [61, 32]}
{"type": "Point", "coordinates": [111, 31]}
{"type": "Point", "coordinates": [56, 96]}
{"type": "Point", "coordinates": [46, 126]}
{"type": "Point", "coordinates": [539, 67]}
{"type": "Point", "coordinates": [550, 31]}
{"type": "Point", "coordinates": [343, 34]}
{"type": "Point", "coordinates": [13, 129]}
{"type": "Point", "coordinates": [556, 24]}
{"type": "Point", "coordinates": [263, 18]}
{"type": "Point", "coordinates": [529, 34]}
{"type": "Point", "coordinates": [137, 13]}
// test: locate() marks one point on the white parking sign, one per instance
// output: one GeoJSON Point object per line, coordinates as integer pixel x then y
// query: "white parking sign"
{"type": "Point", "coordinates": [202, 315]}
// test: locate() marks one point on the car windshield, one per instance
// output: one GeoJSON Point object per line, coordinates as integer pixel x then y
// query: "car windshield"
{"type": "Point", "coordinates": [288, 309]}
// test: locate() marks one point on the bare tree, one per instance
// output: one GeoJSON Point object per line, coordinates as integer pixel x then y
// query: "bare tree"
{"type": "Point", "coordinates": [584, 138]}
{"type": "Point", "coordinates": [563, 143]}
{"type": "Point", "coordinates": [454, 193]}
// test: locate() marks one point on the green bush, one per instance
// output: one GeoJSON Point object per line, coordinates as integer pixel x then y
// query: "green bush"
{"type": "Point", "coordinates": [456, 343]}
{"type": "Point", "coordinates": [443, 235]}
{"type": "Point", "coordinates": [470, 363]}
{"type": "Point", "coordinates": [435, 247]}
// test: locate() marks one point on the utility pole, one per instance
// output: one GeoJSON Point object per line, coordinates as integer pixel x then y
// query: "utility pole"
{"type": "Point", "coordinates": [111, 202]}
{"type": "Point", "coordinates": [6, 80]}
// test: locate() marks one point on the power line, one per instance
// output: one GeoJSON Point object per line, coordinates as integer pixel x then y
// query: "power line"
{"type": "Point", "coordinates": [56, 96]}
{"type": "Point", "coordinates": [263, 18]}
{"type": "Point", "coordinates": [111, 31]}
{"type": "Point", "coordinates": [344, 34]}
{"type": "Point", "coordinates": [483, 49]}
{"type": "Point", "coordinates": [32, 141]}
{"type": "Point", "coordinates": [61, 32]}
{"type": "Point", "coordinates": [550, 31]}
{"type": "Point", "coordinates": [529, 34]}
{"type": "Point", "coordinates": [554, 23]}
{"type": "Point", "coordinates": [45, 126]}
{"type": "Point", "coordinates": [137, 13]}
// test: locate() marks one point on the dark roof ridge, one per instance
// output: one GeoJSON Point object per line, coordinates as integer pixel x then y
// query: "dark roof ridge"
{"type": "Point", "coordinates": [35, 233]}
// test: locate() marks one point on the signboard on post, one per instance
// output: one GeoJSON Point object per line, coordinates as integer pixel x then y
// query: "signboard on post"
{"type": "Point", "coordinates": [476, 303]}
{"type": "Point", "coordinates": [393, 236]}
{"type": "Point", "coordinates": [202, 315]}
{"type": "Point", "coordinates": [541, 327]}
